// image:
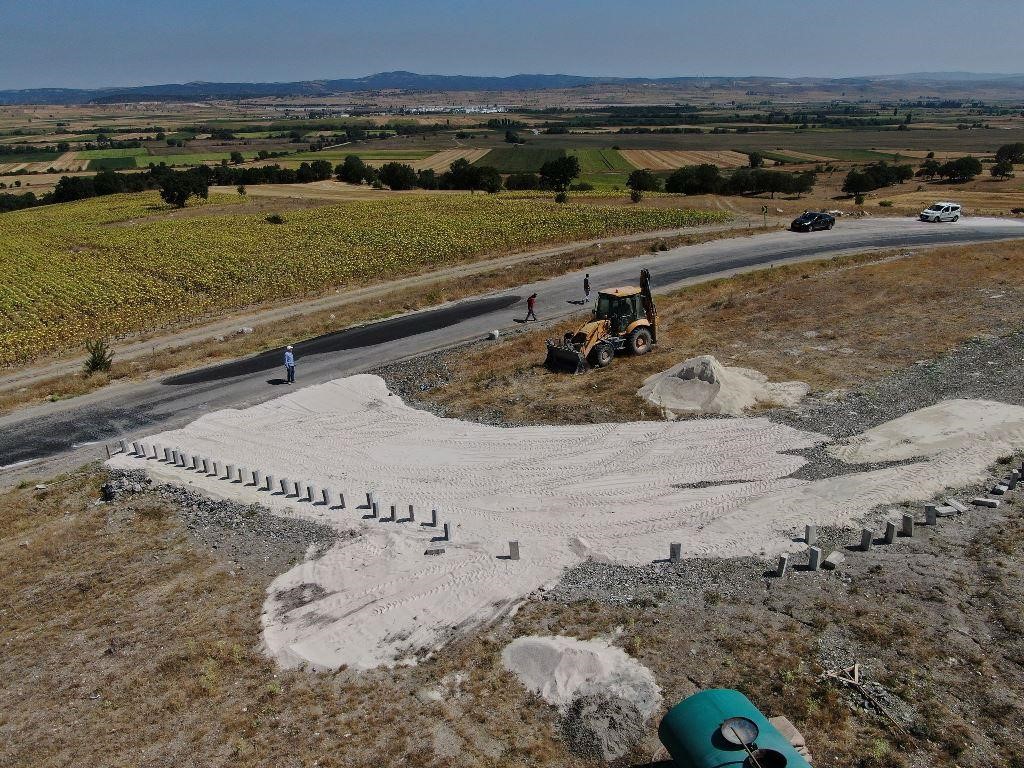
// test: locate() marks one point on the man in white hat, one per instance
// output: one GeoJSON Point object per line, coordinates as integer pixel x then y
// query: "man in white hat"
{"type": "Point", "coordinates": [289, 364]}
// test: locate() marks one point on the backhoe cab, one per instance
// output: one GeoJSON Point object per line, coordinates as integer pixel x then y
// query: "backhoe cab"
{"type": "Point", "coordinates": [625, 319]}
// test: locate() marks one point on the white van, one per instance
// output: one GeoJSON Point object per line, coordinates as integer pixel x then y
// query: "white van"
{"type": "Point", "coordinates": [941, 212]}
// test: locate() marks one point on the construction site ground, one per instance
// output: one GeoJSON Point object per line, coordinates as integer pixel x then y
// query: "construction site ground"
{"type": "Point", "coordinates": [132, 635]}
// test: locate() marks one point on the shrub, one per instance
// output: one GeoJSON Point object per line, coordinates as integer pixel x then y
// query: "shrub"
{"type": "Point", "coordinates": [885, 203]}
{"type": "Point", "coordinates": [561, 197]}
{"type": "Point", "coordinates": [275, 218]}
{"type": "Point", "coordinates": [636, 195]}
{"type": "Point", "coordinates": [859, 198]}
{"type": "Point", "coordinates": [100, 357]}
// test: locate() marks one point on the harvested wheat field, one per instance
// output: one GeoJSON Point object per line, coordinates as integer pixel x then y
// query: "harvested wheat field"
{"type": "Point", "coordinates": [667, 160]}
{"type": "Point", "coordinates": [441, 160]}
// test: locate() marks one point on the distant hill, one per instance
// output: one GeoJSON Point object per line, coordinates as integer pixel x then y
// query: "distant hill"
{"type": "Point", "coordinates": [411, 81]}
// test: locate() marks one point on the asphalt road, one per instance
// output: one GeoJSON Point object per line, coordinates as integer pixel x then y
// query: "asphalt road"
{"type": "Point", "coordinates": [52, 436]}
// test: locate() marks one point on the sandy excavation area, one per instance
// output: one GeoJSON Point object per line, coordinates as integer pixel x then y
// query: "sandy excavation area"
{"type": "Point", "coordinates": [612, 492]}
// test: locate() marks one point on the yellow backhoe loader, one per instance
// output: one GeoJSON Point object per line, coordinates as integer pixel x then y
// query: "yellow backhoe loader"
{"type": "Point", "coordinates": [625, 319]}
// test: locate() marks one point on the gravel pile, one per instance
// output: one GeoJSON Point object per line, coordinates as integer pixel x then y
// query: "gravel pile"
{"type": "Point", "coordinates": [244, 534]}
{"type": "Point", "coordinates": [602, 727]}
{"type": "Point", "coordinates": [689, 581]}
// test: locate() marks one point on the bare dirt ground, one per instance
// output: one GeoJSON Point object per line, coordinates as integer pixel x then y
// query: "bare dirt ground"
{"type": "Point", "coordinates": [131, 636]}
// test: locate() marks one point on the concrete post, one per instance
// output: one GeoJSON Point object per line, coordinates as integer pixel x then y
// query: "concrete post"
{"type": "Point", "coordinates": [341, 501]}
{"type": "Point", "coordinates": [284, 486]}
{"type": "Point", "coordinates": [433, 518]}
{"type": "Point", "coordinates": [215, 467]}
{"type": "Point", "coordinates": [810, 534]}
{"type": "Point", "coordinates": [931, 514]}
{"type": "Point", "coordinates": [327, 496]}
{"type": "Point", "coordinates": [123, 445]}
{"type": "Point", "coordinates": [675, 549]}
{"type": "Point", "coordinates": [783, 564]}
{"type": "Point", "coordinates": [311, 494]}
{"type": "Point", "coordinates": [447, 532]}
{"type": "Point", "coordinates": [184, 460]}
{"type": "Point", "coordinates": [813, 558]}
{"type": "Point", "coordinates": [271, 483]}
{"type": "Point", "coordinates": [257, 478]}
{"type": "Point", "coordinates": [908, 525]}
{"type": "Point", "coordinates": [297, 489]}
{"type": "Point", "coordinates": [136, 449]}
{"type": "Point", "coordinates": [168, 454]}
{"type": "Point", "coordinates": [867, 536]}
{"type": "Point", "coordinates": [513, 550]}
{"type": "Point", "coordinates": [197, 462]}
{"type": "Point", "coordinates": [890, 532]}
{"type": "Point", "coordinates": [1013, 479]}
{"type": "Point", "coordinates": [229, 472]}
{"type": "Point", "coordinates": [106, 446]}
{"type": "Point", "coordinates": [394, 516]}
{"type": "Point", "coordinates": [369, 499]}
{"type": "Point", "coordinates": [412, 514]}
{"type": "Point", "coordinates": [374, 510]}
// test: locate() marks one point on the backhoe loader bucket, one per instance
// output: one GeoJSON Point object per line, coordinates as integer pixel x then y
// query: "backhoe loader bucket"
{"type": "Point", "coordinates": [565, 358]}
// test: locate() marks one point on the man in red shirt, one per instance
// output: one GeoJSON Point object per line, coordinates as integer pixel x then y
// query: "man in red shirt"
{"type": "Point", "coordinates": [530, 302]}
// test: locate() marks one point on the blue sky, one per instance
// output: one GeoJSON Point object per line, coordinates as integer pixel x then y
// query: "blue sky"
{"type": "Point", "coordinates": [89, 43]}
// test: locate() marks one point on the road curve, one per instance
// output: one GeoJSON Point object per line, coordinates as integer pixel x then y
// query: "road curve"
{"type": "Point", "coordinates": [44, 437]}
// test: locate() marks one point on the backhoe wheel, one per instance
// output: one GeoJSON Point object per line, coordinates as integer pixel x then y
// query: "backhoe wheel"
{"type": "Point", "coordinates": [602, 355]}
{"type": "Point", "coordinates": [640, 341]}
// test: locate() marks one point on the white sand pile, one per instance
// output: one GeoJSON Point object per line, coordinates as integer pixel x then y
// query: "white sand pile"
{"type": "Point", "coordinates": [563, 669]}
{"type": "Point", "coordinates": [703, 385]}
{"type": "Point", "coordinates": [949, 426]}
{"type": "Point", "coordinates": [614, 492]}
{"type": "Point", "coordinates": [604, 695]}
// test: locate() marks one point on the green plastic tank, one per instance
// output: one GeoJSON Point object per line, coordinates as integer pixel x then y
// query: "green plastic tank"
{"type": "Point", "coordinates": [693, 733]}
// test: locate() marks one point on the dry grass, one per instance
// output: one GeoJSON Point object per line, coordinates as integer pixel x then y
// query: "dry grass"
{"type": "Point", "coordinates": [344, 315]}
{"type": "Point", "coordinates": [835, 323]}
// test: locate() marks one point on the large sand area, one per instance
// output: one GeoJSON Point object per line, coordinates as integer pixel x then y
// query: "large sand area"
{"type": "Point", "coordinates": [614, 492]}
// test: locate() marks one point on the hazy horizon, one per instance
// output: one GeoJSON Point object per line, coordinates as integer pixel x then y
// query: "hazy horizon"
{"type": "Point", "coordinates": [118, 43]}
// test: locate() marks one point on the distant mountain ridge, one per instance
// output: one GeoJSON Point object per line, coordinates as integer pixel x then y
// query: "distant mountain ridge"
{"type": "Point", "coordinates": [411, 81]}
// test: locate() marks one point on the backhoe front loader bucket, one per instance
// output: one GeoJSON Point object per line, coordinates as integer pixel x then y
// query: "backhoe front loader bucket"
{"type": "Point", "coordinates": [565, 358]}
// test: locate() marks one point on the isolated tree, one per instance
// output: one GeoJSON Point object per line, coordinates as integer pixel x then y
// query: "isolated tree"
{"type": "Point", "coordinates": [703, 179]}
{"type": "Point", "coordinates": [100, 356]}
{"type": "Point", "coordinates": [857, 183]}
{"type": "Point", "coordinates": [1002, 170]}
{"type": "Point", "coordinates": [177, 188]}
{"type": "Point", "coordinates": [558, 174]}
{"type": "Point", "coordinates": [353, 170]}
{"type": "Point", "coordinates": [514, 138]}
{"type": "Point", "coordinates": [643, 181]}
{"type": "Point", "coordinates": [1011, 153]}
{"type": "Point", "coordinates": [755, 159]}
{"type": "Point", "coordinates": [397, 176]}
{"type": "Point", "coordinates": [237, 157]}
{"type": "Point", "coordinates": [961, 169]}
{"type": "Point", "coordinates": [929, 168]}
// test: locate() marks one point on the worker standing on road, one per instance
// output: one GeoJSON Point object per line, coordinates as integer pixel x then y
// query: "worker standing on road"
{"type": "Point", "coordinates": [289, 364]}
{"type": "Point", "coordinates": [586, 289]}
{"type": "Point", "coordinates": [530, 304]}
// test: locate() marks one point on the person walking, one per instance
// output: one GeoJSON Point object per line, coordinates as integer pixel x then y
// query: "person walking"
{"type": "Point", "coordinates": [530, 304]}
{"type": "Point", "coordinates": [289, 364]}
{"type": "Point", "coordinates": [586, 289]}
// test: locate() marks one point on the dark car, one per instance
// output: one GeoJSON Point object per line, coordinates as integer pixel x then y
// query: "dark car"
{"type": "Point", "coordinates": [811, 221]}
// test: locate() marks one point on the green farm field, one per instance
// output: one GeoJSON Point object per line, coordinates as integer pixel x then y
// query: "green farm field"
{"type": "Point", "coordinates": [111, 266]}
{"type": "Point", "coordinates": [29, 157]}
{"type": "Point", "coordinates": [103, 154]}
{"type": "Point", "coordinates": [521, 159]}
{"type": "Point", "coordinates": [601, 161]}
{"type": "Point", "coordinates": [111, 163]}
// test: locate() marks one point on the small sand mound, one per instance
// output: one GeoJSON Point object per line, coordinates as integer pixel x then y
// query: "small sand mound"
{"type": "Point", "coordinates": [703, 385]}
{"type": "Point", "coordinates": [563, 669]}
